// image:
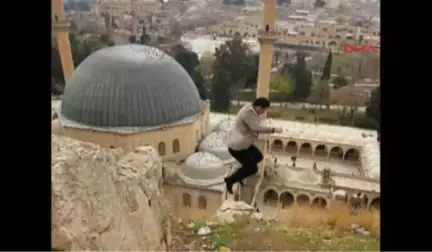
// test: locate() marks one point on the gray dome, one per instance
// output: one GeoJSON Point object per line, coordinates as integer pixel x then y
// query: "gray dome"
{"type": "Point", "coordinates": [129, 88]}
{"type": "Point", "coordinates": [216, 144]}
{"type": "Point", "coordinates": [224, 125]}
{"type": "Point", "coordinates": [203, 166]}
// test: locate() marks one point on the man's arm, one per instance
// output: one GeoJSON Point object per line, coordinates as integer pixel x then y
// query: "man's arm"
{"type": "Point", "coordinates": [253, 122]}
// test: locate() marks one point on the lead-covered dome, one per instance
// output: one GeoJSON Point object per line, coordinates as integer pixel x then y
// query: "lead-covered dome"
{"type": "Point", "coordinates": [216, 144]}
{"type": "Point", "coordinates": [129, 88]}
{"type": "Point", "coordinates": [203, 166]}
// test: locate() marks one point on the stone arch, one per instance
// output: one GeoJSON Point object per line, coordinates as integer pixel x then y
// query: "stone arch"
{"type": "Point", "coordinates": [202, 202]}
{"type": "Point", "coordinates": [321, 151]}
{"type": "Point", "coordinates": [291, 147]}
{"type": "Point", "coordinates": [375, 203]}
{"type": "Point", "coordinates": [336, 152]}
{"type": "Point", "coordinates": [306, 149]}
{"type": "Point", "coordinates": [187, 201]}
{"type": "Point", "coordinates": [358, 200]}
{"type": "Point", "coordinates": [286, 199]}
{"type": "Point", "coordinates": [176, 146]}
{"type": "Point", "coordinates": [352, 154]}
{"type": "Point", "coordinates": [267, 28]}
{"type": "Point", "coordinates": [161, 148]}
{"type": "Point", "coordinates": [277, 145]}
{"type": "Point", "coordinates": [271, 197]}
{"type": "Point", "coordinates": [303, 199]}
{"type": "Point", "coordinates": [319, 202]}
{"type": "Point", "coordinates": [340, 195]}
{"type": "Point", "coordinates": [332, 43]}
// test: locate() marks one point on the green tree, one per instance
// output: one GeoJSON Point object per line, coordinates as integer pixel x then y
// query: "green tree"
{"type": "Point", "coordinates": [373, 108]}
{"type": "Point", "coordinates": [319, 3]}
{"type": "Point", "coordinates": [221, 89]}
{"type": "Point", "coordinates": [233, 56]}
{"type": "Point", "coordinates": [252, 75]}
{"type": "Point", "coordinates": [189, 61]}
{"type": "Point", "coordinates": [283, 86]}
{"type": "Point", "coordinates": [302, 77]}
{"type": "Point", "coordinates": [326, 73]}
{"type": "Point", "coordinates": [340, 81]}
{"type": "Point", "coordinates": [144, 38]}
{"type": "Point", "coordinates": [320, 93]}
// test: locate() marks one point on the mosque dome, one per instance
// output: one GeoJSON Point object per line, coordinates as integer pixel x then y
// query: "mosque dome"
{"type": "Point", "coordinates": [129, 87]}
{"type": "Point", "coordinates": [203, 166]}
{"type": "Point", "coordinates": [224, 125]}
{"type": "Point", "coordinates": [216, 144]}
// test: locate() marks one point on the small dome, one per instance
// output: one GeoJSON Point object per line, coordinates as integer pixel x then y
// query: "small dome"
{"type": "Point", "coordinates": [203, 166]}
{"type": "Point", "coordinates": [216, 144]}
{"type": "Point", "coordinates": [128, 88]}
{"type": "Point", "coordinates": [224, 125]}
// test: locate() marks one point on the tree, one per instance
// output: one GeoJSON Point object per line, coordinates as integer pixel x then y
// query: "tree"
{"type": "Point", "coordinates": [189, 61]}
{"type": "Point", "coordinates": [144, 38]}
{"type": "Point", "coordinates": [373, 108]}
{"type": "Point", "coordinates": [319, 3]}
{"type": "Point", "coordinates": [326, 73]}
{"type": "Point", "coordinates": [199, 81]}
{"type": "Point", "coordinates": [281, 2]}
{"type": "Point", "coordinates": [302, 77]}
{"type": "Point", "coordinates": [320, 93]}
{"type": "Point", "coordinates": [233, 57]}
{"type": "Point", "coordinates": [220, 92]}
{"type": "Point", "coordinates": [283, 85]}
{"type": "Point", "coordinates": [350, 97]}
{"type": "Point", "coordinates": [340, 81]}
{"type": "Point", "coordinates": [252, 75]}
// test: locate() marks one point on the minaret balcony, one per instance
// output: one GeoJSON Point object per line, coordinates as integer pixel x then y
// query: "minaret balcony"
{"type": "Point", "coordinates": [263, 34]}
{"type": "Point", "coordinates": [61, 24]}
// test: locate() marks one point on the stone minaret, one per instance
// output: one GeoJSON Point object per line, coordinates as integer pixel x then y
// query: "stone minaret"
{"type": "Point", "coordinates": [266, 36]}
{"type": "Point", "coordinates": [60, 28]}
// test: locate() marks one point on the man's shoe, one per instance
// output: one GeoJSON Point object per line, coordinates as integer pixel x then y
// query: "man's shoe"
{"type": "Point", "coordinates": [229, 186]}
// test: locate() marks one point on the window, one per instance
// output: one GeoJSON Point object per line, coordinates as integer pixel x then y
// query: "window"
{"type": "Point", "coordinates": [202, 202]}
{"type": "Point", "coordinates": [56, 17]}
{"type": "Point", "coordinates": [186, 200]}
{"type": "Point", "coordinates": [176, 146]}
{"type": "Point", "coordinates": [161, 148]}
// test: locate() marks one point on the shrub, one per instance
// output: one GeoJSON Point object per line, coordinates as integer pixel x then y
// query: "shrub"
{"type": "Point", "coordinates": [361, 120]}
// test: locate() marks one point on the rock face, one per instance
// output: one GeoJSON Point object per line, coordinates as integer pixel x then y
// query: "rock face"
{"type": "Point", "coordinates": [230, 210]}
{"type": "Point", "coordinates": [106, 200]}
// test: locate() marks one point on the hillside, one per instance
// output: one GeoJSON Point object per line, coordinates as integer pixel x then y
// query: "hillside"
{"type": "Point", "coordinates": [305, 230]}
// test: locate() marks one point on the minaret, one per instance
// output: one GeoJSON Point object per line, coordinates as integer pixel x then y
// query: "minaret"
{"type": "Point", "coordinates": [60, 28]}
{"type": "Point", "coordinates": [266, 36]}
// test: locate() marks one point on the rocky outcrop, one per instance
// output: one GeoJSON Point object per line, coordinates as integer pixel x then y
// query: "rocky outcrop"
{"type": "Point", "coordinates": [230, 210]}
{"type": "Point", "coordinates": [105, 199]}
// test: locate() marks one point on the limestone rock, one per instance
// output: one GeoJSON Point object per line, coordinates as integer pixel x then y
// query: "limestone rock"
{"type": "Point", "coordinates": [106, 200]}
{"type": "Point", "coordinates": [230, 210]}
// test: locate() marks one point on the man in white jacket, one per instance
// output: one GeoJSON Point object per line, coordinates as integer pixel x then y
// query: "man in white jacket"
{"type": "Point", "coordinates": [241, 138]}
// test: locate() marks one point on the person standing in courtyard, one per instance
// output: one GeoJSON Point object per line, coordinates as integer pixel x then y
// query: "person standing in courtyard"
{"type": "Point", "coordinates": [241, 138]}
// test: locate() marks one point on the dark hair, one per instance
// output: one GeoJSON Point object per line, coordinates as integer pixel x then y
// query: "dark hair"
{"type": "Point", "coordinates": [262, 102]}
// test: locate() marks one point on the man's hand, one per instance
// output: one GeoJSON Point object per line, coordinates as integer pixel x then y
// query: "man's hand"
{"type": "Point", "coordinates": [278, 130]}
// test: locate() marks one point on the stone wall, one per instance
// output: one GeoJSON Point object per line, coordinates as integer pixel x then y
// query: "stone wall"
{"type": "Point", "coordinates": [105, 199]}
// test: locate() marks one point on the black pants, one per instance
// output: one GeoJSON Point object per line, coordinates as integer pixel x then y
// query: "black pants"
{"type": "Point", "coordinates": [249, 159]}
